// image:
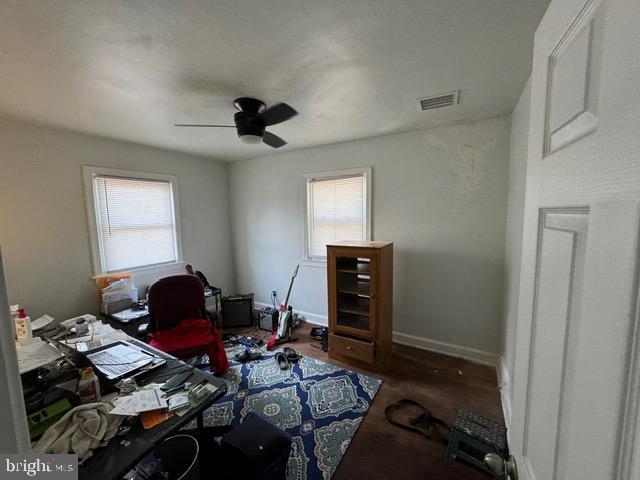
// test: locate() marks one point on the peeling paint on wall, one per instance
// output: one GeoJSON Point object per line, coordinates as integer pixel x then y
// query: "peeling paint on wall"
{"type": "Point", "coordinates": [468, 143]}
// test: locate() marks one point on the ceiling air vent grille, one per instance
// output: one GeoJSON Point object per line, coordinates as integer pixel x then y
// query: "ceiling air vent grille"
{"type": "Point", "coordinates": [439, 101]}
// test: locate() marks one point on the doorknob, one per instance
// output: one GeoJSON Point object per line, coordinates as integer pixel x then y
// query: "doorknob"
{"type": "Point", "coordinates": [502, 469]}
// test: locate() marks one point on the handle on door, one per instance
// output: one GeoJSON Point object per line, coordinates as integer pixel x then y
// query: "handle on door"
{"type": "Point", "coordinates": [348, 347]}
{"type": "Point", "coordinates": [502, 469]}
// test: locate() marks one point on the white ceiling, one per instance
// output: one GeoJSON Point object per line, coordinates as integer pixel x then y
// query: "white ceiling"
{"type": "Point", "coordinates": [353, 69]}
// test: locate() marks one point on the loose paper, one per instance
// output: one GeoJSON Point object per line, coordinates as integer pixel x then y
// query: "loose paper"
{"type": "Point", "coordinates": [41, 322]}
{"type": "Point", "coordinates": [124, 406]}
{"type": "Point", "coordinates": [178, 401]}
{"type": "Point", "coordinates": [36, 354]}
{"type": "Point", "coordinates": [146, 400]}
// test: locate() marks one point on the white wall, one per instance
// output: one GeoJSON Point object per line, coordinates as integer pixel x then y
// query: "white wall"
{"type": "Point", "coordinates": [513, 238]}
{"type": "Point", "coordinates": [440, 195]}
{"type": "Point", "coordinates": [43, 218]}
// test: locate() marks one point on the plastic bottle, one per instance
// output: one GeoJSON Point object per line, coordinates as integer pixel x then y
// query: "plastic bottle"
{"type": "Point", "coordinates": [81, 326]}
{"type": "Point", "coordinates": [23, 328]}
{"type": "Point", "coordinates": [89, 386]}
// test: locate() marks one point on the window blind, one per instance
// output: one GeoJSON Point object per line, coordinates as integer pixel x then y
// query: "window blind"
{"type": "Point", "coordinates": [336, 211]}
{"type": "Point", "coordinates": [135, 222]}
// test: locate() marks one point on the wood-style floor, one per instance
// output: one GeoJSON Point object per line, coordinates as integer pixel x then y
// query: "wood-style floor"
{"type": "Point", "coordinates": [441, 383]}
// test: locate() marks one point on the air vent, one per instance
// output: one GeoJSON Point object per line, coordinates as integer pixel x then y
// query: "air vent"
{"type": "Point", "coordinates": [439, 101]}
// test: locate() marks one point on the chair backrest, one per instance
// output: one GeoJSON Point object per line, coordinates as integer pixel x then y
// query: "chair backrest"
{"type": "Point", "coordinates": [173, 299]}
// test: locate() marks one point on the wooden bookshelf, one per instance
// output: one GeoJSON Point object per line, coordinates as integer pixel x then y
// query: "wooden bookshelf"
{"type": "Point", "coordinates": [360, 296]}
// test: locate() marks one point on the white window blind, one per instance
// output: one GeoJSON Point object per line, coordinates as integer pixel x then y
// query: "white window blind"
{"type": "Point", "coordinates": [135, 222]}
{"type": "Point", "coordinates": [336, 211]}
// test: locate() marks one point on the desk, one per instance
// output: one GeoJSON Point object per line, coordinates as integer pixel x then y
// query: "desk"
{"type": "Point", "coordinates": [129, 326]}
{"type": "Point", "coordinates": [122, 453]}
{"type": "Point", "coordinates": [216, 293]}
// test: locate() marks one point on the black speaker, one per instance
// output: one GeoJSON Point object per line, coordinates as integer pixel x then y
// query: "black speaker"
{"type": "Point", "coordinates": [237, 311]}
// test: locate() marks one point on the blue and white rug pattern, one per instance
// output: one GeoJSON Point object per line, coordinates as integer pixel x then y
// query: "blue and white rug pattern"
{"type": "Point", "coordinates": [320, 405]}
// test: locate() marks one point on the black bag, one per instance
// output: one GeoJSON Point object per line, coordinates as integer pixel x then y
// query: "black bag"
{"type": "Point", "coordinates": [423, 424]}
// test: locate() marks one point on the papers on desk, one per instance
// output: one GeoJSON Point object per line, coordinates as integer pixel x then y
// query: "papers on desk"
{"type": "Point", "coordinates": [146, 400]}
{"type": "Point", "coordinates": [130, 314]}
{"type": "Point", "coordinates": [99, 331]}
{"type": "Point", "coordinates": [140, 401]}
{"type": "Point", "coordinates": [117, 292]}
{"type": "Point", "coordinates": [124, 406]}
{"type": "Point", "coordinates": [117, 285]}
{"type": "Point", "coordinates": [153, 417]}
{"type": "Point", "coordinates": [178, 401]}
{"type": "Point", "coordinates": [41, 322]}
{"type": "Point", "coordinates": [36, 354]}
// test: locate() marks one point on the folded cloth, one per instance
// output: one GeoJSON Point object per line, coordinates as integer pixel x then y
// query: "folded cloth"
{"type": "Point", "coordinates": [80, 430]}
{"type": "Point", "coordinates": [188, 338]}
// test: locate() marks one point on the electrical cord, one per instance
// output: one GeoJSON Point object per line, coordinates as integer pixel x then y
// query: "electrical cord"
{"type": "Point", "coordinates": [275, 301]}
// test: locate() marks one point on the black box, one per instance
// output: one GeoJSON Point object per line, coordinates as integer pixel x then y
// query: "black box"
{"type": "Point", "coordinates": [268, 318]}
{"type": "Point", "coordinates": [237, 311]}
{"type": "Point", "coordinates": [256, 450]}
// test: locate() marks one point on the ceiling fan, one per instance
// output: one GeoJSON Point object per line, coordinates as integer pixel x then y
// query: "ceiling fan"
{"type": "Point", "coordinates": [252, 118]}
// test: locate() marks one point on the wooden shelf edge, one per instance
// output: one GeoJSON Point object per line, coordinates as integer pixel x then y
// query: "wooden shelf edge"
{"type": "Point", "coordinates": [353, 311]}
{"type": "Point", "coordinates": [357, 272]}
{"type": "Point", "coordinates": [354, 292]}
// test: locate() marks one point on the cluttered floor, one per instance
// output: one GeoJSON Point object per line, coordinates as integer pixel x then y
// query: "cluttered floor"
{"type": "Point", "coordinates": [441, 383]}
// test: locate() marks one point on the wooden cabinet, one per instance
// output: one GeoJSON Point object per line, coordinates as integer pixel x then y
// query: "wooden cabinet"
{"type": "Point", "coordinates": [360, 280]}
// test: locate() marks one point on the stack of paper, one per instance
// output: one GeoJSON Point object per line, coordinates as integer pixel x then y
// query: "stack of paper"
{"type": "Point", "coordinates": [121, 291]}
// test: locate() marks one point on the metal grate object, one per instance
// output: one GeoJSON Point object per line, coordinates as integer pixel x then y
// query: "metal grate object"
{"type": "Point", "coordinates": [473, 436]}
{"type": "Point", "coordinates": [439, 101]}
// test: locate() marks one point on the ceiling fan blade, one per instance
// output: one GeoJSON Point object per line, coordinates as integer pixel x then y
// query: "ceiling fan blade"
{"type": "Point", "coordinates": [273, 140]}
{"type": "Point", "coordinates": [201, 125]}
{"type": "Point", "coordinates": [278, 113]}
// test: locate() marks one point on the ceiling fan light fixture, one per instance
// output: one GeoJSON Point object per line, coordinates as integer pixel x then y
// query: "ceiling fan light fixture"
{"type": "Point", "coordinates": [251, 139]}
{"type": "Point", "coordinates": [251, 119]}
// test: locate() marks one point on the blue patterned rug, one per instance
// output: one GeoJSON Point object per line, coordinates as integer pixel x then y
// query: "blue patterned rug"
{"type": "Point", "coordinates": [318, 404]}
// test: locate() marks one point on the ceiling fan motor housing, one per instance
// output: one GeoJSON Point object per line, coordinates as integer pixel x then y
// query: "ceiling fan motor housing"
{"type": "Point", "coordinates": [247, 119]}
{"type": "Point", "coordinates": [249, 105]}
{"type": "Point", "coordinates": [248, 124]}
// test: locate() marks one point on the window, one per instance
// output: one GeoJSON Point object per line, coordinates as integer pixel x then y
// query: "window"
{"type": "Point", "coordinates": [337, 208]}
{"type": "Point", "coordinates": [132, 218]}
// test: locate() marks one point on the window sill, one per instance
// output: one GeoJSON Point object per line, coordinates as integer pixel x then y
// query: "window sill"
{"type": "Point", "coordinates": [150, 269]}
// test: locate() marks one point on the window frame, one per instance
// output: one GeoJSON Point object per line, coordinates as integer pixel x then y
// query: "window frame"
{"type": "Point", "coordinates": [89, 174]}
{"type": "Point", "coordinates": [366, 172]}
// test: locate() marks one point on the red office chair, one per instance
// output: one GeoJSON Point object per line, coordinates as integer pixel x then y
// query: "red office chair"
{"type": "Point", "coordinates": [178, 321]}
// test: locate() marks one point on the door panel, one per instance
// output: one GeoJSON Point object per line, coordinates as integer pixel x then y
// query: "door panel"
{"type": "Point", "coordinates": [559, 272]}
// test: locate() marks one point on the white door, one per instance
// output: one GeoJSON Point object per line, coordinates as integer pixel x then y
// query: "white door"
{"type": "Point", "coordinates": [576, 380]}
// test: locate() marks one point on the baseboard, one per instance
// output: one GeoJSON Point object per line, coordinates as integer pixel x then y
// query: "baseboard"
{"type": "Point", "coordinates": [450, 349]}
{"type": "Point", "coordinates": [504, 384]}
{"type": "Point", "coordinates": [308, 317]}
{"type": "Point", "coordinates": [478, 356]}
